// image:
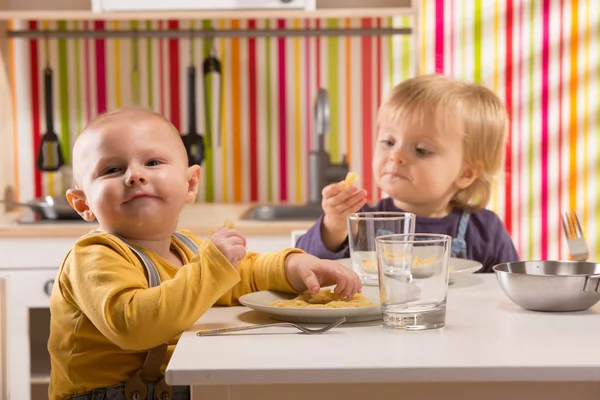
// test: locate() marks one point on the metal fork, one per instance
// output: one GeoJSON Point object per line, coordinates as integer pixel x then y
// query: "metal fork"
{"type": "Point", "coordinates": [304, 329]}
{"type": "Point", "coordinates": [578, 247]}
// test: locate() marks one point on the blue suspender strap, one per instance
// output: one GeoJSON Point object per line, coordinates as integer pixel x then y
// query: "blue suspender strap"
{"type": "Point", "coordinates": [459, 243]}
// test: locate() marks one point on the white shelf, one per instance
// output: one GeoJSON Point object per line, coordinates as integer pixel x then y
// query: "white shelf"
{"type": "Point", "coordinates": [196, 15]}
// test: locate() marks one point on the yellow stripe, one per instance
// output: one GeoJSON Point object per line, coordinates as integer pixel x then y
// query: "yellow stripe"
{"type": "Point", "coordinates": [496, 84]}
{"type": "Point", "coordinates": [224, 122]}
{"type": "Point", "coordinates": [573, 109]}
{"type": "Point", "coordinates": [11, 49]}
{"type": "Point", "coordinates": [586, 115]}
{"type": "Point", "coordinates": [298, 116]}
{"type": "Point", "coordinates": [51, 175]}
{"type": "Point", "coordinates": [235, 109]}
{"type": "Point", "coordinates": [349, 96]}
{"type": "Point", "coordinates": [422, 32]}
{"type": "Point", "coordinates": [117, 69]}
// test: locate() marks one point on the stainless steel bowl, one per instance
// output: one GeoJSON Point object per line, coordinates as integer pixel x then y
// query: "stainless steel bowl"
{"type": "Point", "coordinates": [550, 285]}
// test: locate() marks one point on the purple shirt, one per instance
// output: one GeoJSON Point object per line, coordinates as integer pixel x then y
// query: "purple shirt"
{"type": "Point", "coordinates": [487, 240]}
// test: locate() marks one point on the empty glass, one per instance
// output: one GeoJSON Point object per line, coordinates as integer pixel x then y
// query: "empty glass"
{"type": "Point", "coordinates": [363, 228]}
{"type": "Point", "coordinates": [413, 280]}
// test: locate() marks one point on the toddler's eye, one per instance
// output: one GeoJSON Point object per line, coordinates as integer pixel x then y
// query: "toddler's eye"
{"type": "Point", "coordinates": [153, 163]}
{"type": "Point", "coordinates": [422, 151]}
{"type": "Point", "coordinates": [387, 142]}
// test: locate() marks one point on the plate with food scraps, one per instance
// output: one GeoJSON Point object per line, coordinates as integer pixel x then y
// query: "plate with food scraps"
{"type": "Point", "coordinates": [308, 308]}
{"type": "Point", "coordinates": [458, 266]}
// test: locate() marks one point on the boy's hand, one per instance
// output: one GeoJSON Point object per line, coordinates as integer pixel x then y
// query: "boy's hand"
{"type": "Point", "coordinates": [231, 243]}
{"type": "Point", "coordinates": [339, 202]}
{"type": "Point", "coordinates": [306, 272]}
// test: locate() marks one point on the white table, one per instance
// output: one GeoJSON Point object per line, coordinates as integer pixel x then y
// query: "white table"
{"type": "Point", "coordinates": [490, 348]}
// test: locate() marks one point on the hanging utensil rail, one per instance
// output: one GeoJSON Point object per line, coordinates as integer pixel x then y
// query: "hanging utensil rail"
{"type": "Point", "coordinates": [206, 33]}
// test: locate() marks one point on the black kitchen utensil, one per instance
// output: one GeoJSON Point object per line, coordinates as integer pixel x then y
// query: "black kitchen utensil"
{"type": "Point", "coordinates": [211, 68]}
{"type": "Point", "coordinates": [49, 157]}
{"type": "Point", "coordinates": [193, 141]}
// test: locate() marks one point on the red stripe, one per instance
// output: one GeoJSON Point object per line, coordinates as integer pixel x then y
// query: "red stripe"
{"type": "Point", "coordinates": [282, 117]}
{"type": "Point", "coordinates": [545, 62]}
{"type": "Point", "coordinates": [35, 108]}
{"type": "Point", "coordinates": [509, 105]}
{"type": "Point", "coordinates": [560, 124]}
{"type": "Point", "coordinates": [367, 101]}
{"type": "Point", "coordinates": [378, 192]}
{"type": "Point", "coordinates": [88, 80]}
{"type": "Point", "coordinates": [520, 133]}
{"type": "Point", "coordinates": [100, 70]}
{"type": "Point", "coordinates": [161, 71]}
{"type": "Point", "coordinates": [318, 53]}
{"type": "Point", "coordinates": [253, 113]}
{"type": "Point", "coordinates": [439, 36]}
{"type": "Point", "coordinates": [174, 77]}
{"type": "Point", "coordinates": [308, 94]}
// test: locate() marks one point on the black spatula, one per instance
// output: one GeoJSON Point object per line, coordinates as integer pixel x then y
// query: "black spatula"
{"type": "Point", "coordinates": [49, 157]}
{"type": "Point", "coordinates": [194, 142]}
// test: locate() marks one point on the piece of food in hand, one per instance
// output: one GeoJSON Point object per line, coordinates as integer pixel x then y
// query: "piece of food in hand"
{"type": "Point", "coordinates": [325, 298]}
{"type": "Point", "coordinates": [227, 224]}
{"type": "Point", "coordinates": [351, 177]}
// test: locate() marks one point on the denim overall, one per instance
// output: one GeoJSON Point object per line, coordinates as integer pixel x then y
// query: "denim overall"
{"type": "Point", "coordinates": [148, 383]}
{"type": "Point", "coordinates": [459, 243]}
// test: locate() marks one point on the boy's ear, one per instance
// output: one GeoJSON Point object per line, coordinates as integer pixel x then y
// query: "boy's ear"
{"type": "Point", "coordinates": [193, 178]}
{"type": "Point", "coordinates": [468, 174]}
{"type": "Point", "coordinates": [76, 199]}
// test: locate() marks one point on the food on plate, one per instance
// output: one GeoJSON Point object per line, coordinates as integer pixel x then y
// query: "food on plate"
{"type": "Point", "coordinates": [324, 299]}
{"type": "Point", "coordinates": [351, 177]}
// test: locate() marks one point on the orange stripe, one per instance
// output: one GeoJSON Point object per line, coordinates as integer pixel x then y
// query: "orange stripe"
{"type": "Point", "coordinates": [223, 134]}
{"type": "Point", "coordinates": [236, 112]}
{"type": "Point", "coordinates": [573, 109]}
{"type": "Point", "coordinates": [298, 134]}
{"type": "Point", "coordinates": [586, 115]}
{"type": "Point", "coordinates": [349, 96]}
{"type": "Point", "coordinates": [11, 52]}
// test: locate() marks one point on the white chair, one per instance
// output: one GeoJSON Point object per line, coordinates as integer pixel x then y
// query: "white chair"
{"type": "Point", "coordinates": [295, 236]}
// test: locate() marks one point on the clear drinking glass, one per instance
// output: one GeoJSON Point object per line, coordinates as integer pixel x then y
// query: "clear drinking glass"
{"type": "Point", "coordinates": [363, 228]}
{"type": "Point", "coordinates": [413, 280]}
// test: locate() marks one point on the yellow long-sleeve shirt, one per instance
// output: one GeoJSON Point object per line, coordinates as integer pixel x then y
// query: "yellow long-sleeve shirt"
{"type": "Point", "coordinates": [104, 317]}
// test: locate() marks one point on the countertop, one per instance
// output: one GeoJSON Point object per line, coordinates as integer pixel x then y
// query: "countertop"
{"type": "Point", "coordinates": [198, 218]}
{"type": "Point", "coordinates": [487, 338]}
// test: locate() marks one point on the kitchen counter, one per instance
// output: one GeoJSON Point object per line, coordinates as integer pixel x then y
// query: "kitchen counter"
{"type": "Point", "coordinates": [487, 339]}
{"type": "Point", "coordinates": [199, 218]}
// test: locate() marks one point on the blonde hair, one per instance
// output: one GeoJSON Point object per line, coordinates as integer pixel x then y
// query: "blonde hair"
{"type": "Point", "coordinates": [467, 110]}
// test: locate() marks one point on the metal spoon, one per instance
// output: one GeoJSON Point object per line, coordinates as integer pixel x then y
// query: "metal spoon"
{"type": "Point", "coordinates": [308, 331]}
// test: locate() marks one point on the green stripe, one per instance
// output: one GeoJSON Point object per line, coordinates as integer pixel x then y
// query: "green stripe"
{"type": "Point", "coordinates": [208, 155]}
{"type": "Point", "coordinates": [63, 74]}
{"type": "Point", "coordinates": [78, 83]}
{"type": "Point", "coordinates": [269, 127]}
{"type": "Point", "coordinates": [477, 41]}
{"type": "Point", "coordinates": [406, 54]}
{"type": "Point", "coordinates": [135, 75]}
{"type": "Point", "coordinates": [332, 83]}
{"type": "Point", "coordinates": [391, 55]}
{"type": "Point", "coordinates": [531, 142]}
{"type": "Point", "coordinates": [149, 81]}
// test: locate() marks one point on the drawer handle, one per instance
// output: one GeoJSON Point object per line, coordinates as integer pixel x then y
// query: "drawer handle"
{"type": "Point", "coordinates": [48, 287]}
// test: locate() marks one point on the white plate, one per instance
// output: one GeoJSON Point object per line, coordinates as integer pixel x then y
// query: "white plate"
{"type": "Point", "coordinates": [460, 266]}
{"type": "Point", "coordinates": [259, 301]}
